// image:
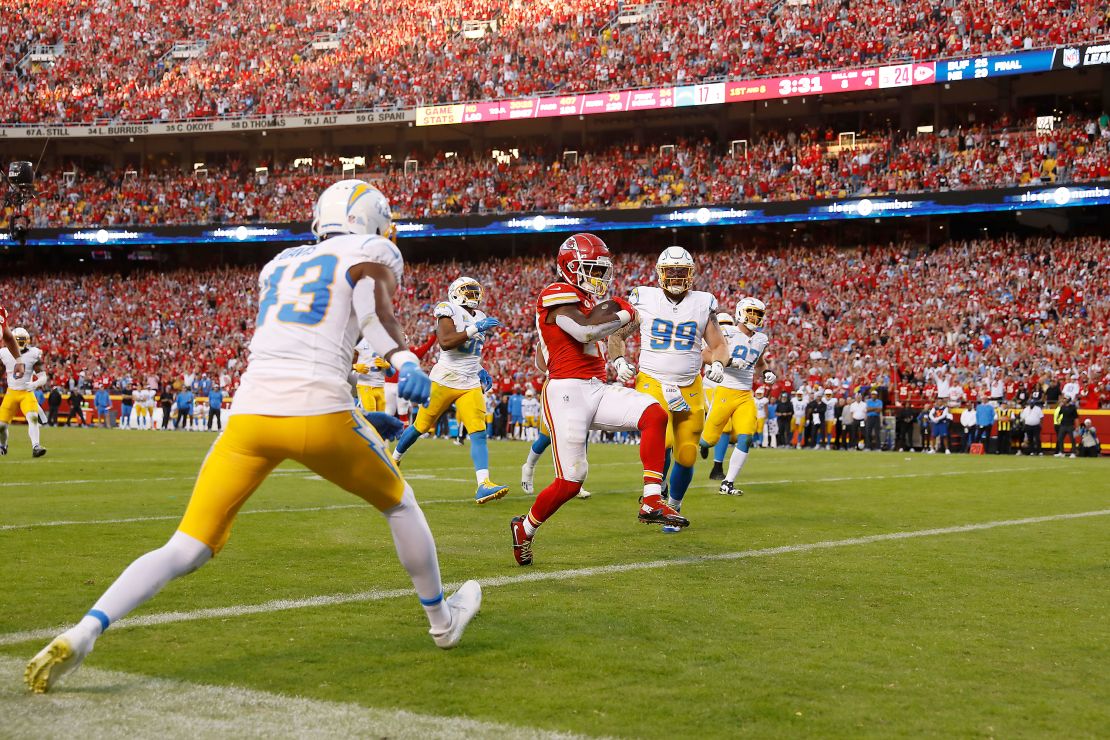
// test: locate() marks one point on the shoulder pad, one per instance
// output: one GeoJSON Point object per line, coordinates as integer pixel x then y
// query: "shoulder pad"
{"type": "Point", "coordinates": [559, 294]}
{"type": "Point", "coordinates": [444, 309]}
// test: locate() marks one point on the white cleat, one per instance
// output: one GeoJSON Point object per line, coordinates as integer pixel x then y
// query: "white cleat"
{"type": "Point", "coordinates": [584, 494]}
{"type": "Point", "coordinates": [463, 604]}
{"type": "Point", "coordinates": [526, 476]}
{"type": "Point", "coordinates": [64, 653]}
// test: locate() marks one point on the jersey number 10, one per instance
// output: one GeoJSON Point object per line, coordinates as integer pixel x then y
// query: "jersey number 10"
{"type": "Point", "coordinates": [316, 292]}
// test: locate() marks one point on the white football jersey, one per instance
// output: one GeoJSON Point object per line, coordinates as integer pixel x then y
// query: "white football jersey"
{"type": "Point", "coordinates": [530, 407]}
{"type": "Point", "coordinates": [458, 368]}
{"type": "Point", "coordinates": [671, 333]}
{"type": "Point", "coordinates": [761, 407]}
{"type": "Point", "coordinates": [20, 369]}
{"type": "Point", "coordinates": [744, 351]}
{"type": "Point", "coordinates": [365, 355]}
{"type": "Point", "coordinates": [304, 337]}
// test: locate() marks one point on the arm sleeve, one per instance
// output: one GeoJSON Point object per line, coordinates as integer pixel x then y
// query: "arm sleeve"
{"type": "Point", "coordinates": [365, 305]}
{"type": "Point", "coordinates": [586, 334]}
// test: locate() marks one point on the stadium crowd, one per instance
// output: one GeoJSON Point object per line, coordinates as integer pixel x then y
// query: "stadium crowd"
{"type": "Point", "coordinates": [996, 317]}
{"type": "Point", "coordinates": [810, 163]}
{"type": "Point", "coordinates": [116, 61]}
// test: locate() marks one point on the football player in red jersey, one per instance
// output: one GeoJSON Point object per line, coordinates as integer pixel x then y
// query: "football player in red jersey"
{"type": "Point", "coordinates": [572, 328]}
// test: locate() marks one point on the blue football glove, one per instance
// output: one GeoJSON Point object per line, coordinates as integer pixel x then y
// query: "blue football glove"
{"type": "Point", "coordinates": [414, 384]}
{"type": "Point", "coordinates": [388, 426]}
{"type": "Point", "coordinates": [486, 324]}
{"type": "Point", "coordinates": [485, 379]}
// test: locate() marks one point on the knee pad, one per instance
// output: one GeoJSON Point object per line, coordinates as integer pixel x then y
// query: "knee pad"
{"type": "Point", "coordinates": [686, 454]}
{"type": "Point", "coordinates": [187, 552]}
{"type": "Point", "coordinates": [744, 442]}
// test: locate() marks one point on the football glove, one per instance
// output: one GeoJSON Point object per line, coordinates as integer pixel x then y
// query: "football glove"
{"type": "Point", "coordinates": [388, 426]}
{"type": "Point", "coordinates": [414, 384]}
{"type": "Point", "coordinates": [380, 363]}
{"type": "Point", "coordinates": [361, 368]}
{"type": "Point", "coordinates": [715, 373]}
{"type": "Point", "coordinates": [769, 377]}
{"type": "Point", "coordinates": [626, 371]}
{"type": "Point", "coordinates": [486, 324]}
{"type": "Point", "coordinates": [485, 379]}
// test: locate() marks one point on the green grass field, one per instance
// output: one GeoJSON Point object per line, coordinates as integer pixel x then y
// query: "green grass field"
{"type": "Point", "coordinates": [999, 631]}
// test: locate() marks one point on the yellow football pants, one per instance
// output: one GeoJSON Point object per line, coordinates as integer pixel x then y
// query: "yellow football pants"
{"type": "Point", "coordinates": [470, 408]}
{"type": "Point", "coordinates": [371, 398]}
{"type": "Point", "coordinates": [24, 401]}
{"type": "Point", "coordinates": [341, 447]}
{"type": "Point", "coordinates": [684, 429]}
{"type": "Point", "coordinates": [710, 396]}
{"type": "Point", "coordinates": [730, 408]}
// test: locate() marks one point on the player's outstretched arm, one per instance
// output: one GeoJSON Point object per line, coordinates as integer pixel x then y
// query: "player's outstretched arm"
{"type": "Point", "coordinates": [9, 340]}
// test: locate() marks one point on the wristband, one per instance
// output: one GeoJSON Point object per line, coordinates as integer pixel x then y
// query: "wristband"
{"type": "Point", "coordinates": [402, 357]}
{"type": "Point", "coordinates": [471, 331]}
{"type": "Point", "coordinates": [624, 316]}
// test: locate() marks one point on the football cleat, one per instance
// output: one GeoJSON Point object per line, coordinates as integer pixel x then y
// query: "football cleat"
{"type": "Point", "coordinates": [654, 510]}
{"type": "Point", "coordinates": [3, 449]}
{"type": "Point", "coordinates": [671, 528]}
{"type": "Point", "coordinates": [489, 491]}
{"type": "Point", "coordinates": [728, 489]}
{"type": "Point", "coordinates": [53, 662]}
{"type": "Point", "coordinates": [584, 494]}
{"type": "Point", "coordinates": [522, 543]}
{"type": "Point", "coordinates": [718, 471]}
{"type": "Point", "coordinates": [463, 605]}
{"type": "Point", "coordinates": [527, 474]}
{"type": "Point", "coordinates": [38, 451]}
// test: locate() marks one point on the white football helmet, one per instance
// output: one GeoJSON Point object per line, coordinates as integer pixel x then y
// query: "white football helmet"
{"type": "Point", "coordinates": [529, 393]}
{"type": "Point", "coordinates": [675, 270]}
{"type": "Point", "coordinates": [22, 337]}
{"type": "Point", "coordinates": [465, 292]}
{"type": "Point", "coordinates": [352, 207]}
{"type": "Point", "coordinates": [750, 312]}
{"type": "Point", "coordinates": [725, 319]}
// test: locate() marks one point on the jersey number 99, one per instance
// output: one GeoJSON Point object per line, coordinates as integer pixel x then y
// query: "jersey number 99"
{"type": "Point", "coordinates": [317, 292]}
{"type": "Point", "coordinates": [664, 334]}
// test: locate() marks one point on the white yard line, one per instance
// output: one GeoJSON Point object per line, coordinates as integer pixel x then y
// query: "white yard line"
{"type": "Point", "coordinates": [464, 500]}
{"type": "Point", "coordinates": [95, 703]}
{"type": "Point", "coordinates": [532, 576]}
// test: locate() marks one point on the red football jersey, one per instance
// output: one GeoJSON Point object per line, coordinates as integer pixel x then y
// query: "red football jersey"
{"type": "Point", "coordinates": [567, 357]}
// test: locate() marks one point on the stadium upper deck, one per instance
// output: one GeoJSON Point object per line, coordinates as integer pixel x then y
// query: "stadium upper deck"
{"type": "Point", "coordinates": [104, 60]}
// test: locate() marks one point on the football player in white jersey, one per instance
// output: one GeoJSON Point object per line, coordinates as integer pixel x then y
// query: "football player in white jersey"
{"type": "Point", "coordinates": [294, 402]}
{"type": "Point", "coordinates": [459, 378]}
{"type": "Point", "coordinates": [530, 410]}
{"type": "Point", "coordinates": [727, 324]}
{"type": "Point", "coordinates": [673, 320]}
{"type": "Point", "coordinates": [370, 370]}
{"type": "Point", "coordinates": [24, 371]}
{"type": "Point", "coordinates": [734, 401]}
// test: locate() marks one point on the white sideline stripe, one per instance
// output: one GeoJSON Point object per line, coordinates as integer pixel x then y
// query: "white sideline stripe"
{"type": "Point", "coordinates": [13, 638]}
{"type": "Point", "coordinates": [305, 474]}
{"type": "Point", "coordinates": [95, 703]}
{"type": "Point", "coordinates": [464, 500]}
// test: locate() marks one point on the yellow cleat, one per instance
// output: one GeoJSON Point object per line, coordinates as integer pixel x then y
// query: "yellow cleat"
{"type": "Point", "coordinates": [489, 491]}
{"type": "Point", "coordinates": [52, 663]}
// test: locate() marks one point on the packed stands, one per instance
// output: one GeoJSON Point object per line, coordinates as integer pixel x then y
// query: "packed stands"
{"type": "Point", "coordinates": [777, 166]}
{"type": "Point", "coordinates": [105, 60]}
{"type": "Point", "coordinates": [1017, 311]}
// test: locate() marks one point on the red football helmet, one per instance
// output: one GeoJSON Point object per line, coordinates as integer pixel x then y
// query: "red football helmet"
{"type": "Point", "coordinates": [584, 260]}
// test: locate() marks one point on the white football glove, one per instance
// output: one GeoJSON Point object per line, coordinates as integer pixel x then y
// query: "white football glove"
{"type": "Point", "coordinates": [626, 371]}
{"type": "Point", "coordinates": [715, 373]}
{"type": "Point", "coordinates": [769, 377]}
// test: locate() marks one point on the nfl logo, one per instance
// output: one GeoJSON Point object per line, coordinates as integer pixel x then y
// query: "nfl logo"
{"type": "Point", "coordinates": [1071, 58]}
